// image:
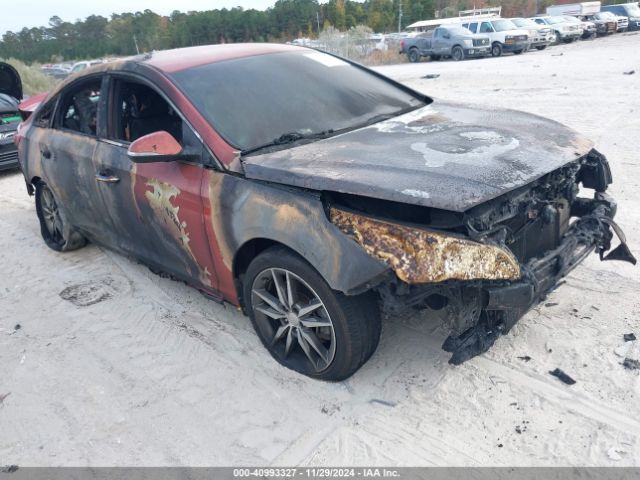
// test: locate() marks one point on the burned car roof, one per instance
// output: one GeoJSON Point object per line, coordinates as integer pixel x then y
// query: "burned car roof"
{"type": "Point", "coordinates": [445, 156]}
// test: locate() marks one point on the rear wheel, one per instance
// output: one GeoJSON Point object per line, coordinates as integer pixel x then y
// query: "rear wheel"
{"type": "Point", "coordinates": [496, 49]}
{"type": "Point", "coordinates": [414, 55]}
{"type": "Point", "coordinates": [457, 53]}
{"type": "Point", "coordinates": [305, 325]}
{"type": "Point", "coordinates": [56, 231]}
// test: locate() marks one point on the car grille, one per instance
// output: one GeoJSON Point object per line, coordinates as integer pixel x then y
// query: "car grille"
{"type": "Point", "coordinates": [8, 157]}
{"type": "Point", "coordinates": [520, 38]}
{"type": "Point", "coordinates": [479, 42]}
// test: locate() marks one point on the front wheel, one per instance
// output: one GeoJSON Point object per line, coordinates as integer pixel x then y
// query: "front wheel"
{"type": "Point", "coordinates": [56, 231]}
{"type": "Point", "coordinates": [496, 50]}
{"type": "Point", "coordinates": [457, 53]}
{"type": "Point", "coordinates": [304, 324]}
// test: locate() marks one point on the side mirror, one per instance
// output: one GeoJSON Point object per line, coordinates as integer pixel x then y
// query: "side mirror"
{"type": "Point", "coordinates": [155, 147]}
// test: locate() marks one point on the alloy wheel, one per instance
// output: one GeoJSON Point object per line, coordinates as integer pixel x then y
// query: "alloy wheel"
{"type": "Point", "coordinates": [51, 215]}
{"type": "Point", "coordinates": [293, 319]}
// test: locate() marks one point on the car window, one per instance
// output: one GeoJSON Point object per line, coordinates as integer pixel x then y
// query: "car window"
{"type": "Point", "coordinates": [139, 110]}
{"type": "Point", "coordinates": [43, 117]}
{"type": "Point", "coordinates": [79, 109]}
{"type": "Point", "coordinates": [485, 27]}
{"type": "Point", "coordinates": [300, 93]}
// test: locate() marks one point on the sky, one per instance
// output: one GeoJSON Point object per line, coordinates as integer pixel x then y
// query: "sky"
{"type": "Point", "coordinates": [36, 13]}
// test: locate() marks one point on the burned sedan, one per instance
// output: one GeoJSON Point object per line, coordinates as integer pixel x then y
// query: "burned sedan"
{"type": "Point", "coordinates": [318, 198]}
{"type": "Point", "coordinates": [10, 95]}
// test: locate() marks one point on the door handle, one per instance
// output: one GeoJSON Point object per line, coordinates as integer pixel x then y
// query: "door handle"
{"type": "Point", "coordinates": [102, 177]}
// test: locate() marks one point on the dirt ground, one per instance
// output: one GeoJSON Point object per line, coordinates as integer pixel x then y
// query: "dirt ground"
{"type": "Point", "coordinates": [113, 365]}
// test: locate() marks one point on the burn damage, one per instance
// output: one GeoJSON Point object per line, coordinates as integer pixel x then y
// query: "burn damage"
{"type": "Point", "coordinates": [488, 265]}
{"type": "Point", "coordinates": [422, 256]}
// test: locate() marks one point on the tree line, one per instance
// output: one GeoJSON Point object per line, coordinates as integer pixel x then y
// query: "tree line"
{"type": "Point", "coordinates": [128, 33]}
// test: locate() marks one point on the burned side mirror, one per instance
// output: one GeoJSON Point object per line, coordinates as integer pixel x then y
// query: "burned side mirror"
{"type": "Point", "coordinates": [155, 147]}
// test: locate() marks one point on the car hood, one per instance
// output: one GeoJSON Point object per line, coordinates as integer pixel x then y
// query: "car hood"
{"type": "Point", "coordinates": [10, 82]}
{"type": "Point", "coordinates": [445, 156]}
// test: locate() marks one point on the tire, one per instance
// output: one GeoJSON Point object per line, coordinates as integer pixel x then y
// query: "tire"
{"type": "Point", "coordinates": [457, 53]}
{"type": "Point", "coordinates": [348, 328]}
{"type": "Point", "coordinates": [414, 55]}
{"type": "Point", "coordinates": [541, 47]}
{"type": "Point", "coordinates": [496, 50]}
{"type": "Point", "coordinates": [56, 231]}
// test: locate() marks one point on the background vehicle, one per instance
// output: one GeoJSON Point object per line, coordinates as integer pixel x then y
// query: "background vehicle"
{"type": "Point", "coordinates": [605, 22]}
{"type": "Point", "coordinates": [589, 29]}
{"type": "Point", "coordinates": [565, 31]}
{"type": "Point", "coordinates": [10, 95]}
{"type": "Point", "coordinates": [540, 36]}
{"type": "Point", "coordinates": [80, 66]}
{"type": "Point", "coordinates": [451, 41]}
{"type": "Point", "coordinates": [316, 223]}
{"type": "Point", "coordinates": [573, 9]}
{"type": "Point", "coordinates": [504, 35]}
{"type": "Point", "coordinates": [629, 10]}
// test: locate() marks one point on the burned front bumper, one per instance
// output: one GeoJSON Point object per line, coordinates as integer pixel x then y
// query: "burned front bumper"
{"type": "Point", "coordinates": [8, 154]}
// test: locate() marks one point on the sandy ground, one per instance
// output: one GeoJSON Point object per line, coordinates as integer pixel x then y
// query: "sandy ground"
{"type": "Point", "coordinates": [153, 373]}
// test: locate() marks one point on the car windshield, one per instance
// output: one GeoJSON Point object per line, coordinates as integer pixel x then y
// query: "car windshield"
{"type": "Point", "coordinates": [458, 31]}
{"type": "Point", "coordinates": [254, 101]}
{"type": "Point", "coordinates": [554, 20]}
{"type": "Point", "coordinates": [524, 22]}
{"type": "Point", "coordinates": [503, 25]}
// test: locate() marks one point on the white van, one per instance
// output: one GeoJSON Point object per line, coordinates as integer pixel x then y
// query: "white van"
{"type": "Point", "coordinates": [504, 34]}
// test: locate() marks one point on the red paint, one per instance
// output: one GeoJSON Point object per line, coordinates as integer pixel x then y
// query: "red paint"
{"type": "Point", "coordinates": [156, 143]}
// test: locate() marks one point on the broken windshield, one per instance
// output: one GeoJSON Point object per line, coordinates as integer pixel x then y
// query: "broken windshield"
{"type": "Point", "coordinates": [253, 100]}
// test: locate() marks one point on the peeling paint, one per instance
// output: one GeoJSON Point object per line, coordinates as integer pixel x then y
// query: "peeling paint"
{"type": "Point", "coordinates": [423, 256]}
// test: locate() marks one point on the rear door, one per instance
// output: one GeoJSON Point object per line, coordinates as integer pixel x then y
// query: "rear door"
{"type": "Point", "coordinates": [157, 208]}
{"type": "Point", "coordinates": [66, 156]}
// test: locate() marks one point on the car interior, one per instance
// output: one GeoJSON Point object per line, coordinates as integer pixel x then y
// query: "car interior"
{"type": "Point", "coordinates": [140, 110]}
{"type": "Point", "coordinates": [80, 110]}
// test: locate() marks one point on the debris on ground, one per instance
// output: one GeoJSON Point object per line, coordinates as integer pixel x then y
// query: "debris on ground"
{"type": "Point", "coordinates": [550, 304]}
{"type": "Point", "coordinates": [631, 364]}
{"type": "Point", "coordinates": [563, 377]}
{"type": "Point", "coordinates": [557, 54]}
{"type": "Point", "coordinates": [630, 72]}
{"type": "Point", "coordinates": [614, 453]}
{"type": "Point", "coordinates": [9, 469]}
{"type": "Point", "coordinates": [3, 396]}
{"type": "Point", "coordinates": [383, 402]}
{"type": "Point", "coordinates": [432, 75]}
{"type": "Point", "coordinates": [525, 358]}
{"type": "Point", "coordinates": [17, 327]}
{"type": "Point", "coordinates": [629, 337]}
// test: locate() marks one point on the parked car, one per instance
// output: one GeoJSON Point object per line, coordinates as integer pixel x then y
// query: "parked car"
{"type": "Point", "coordinates": [361, 196]}
{"type": "Point", "coordinates": [10, 95]}
{"type": "Point", "coordinates": [540, 36]}
{"type": "Point", "coordinates": [574, 9]}
{"type": "Point", "coordinates": [605, 22]}
{"type": "Point", "coordinates": [589, 29]}
{"type": "Point", "coordinates": [630, 11]}
{"type": "Point", "coordinates": [449, 41]}
{"type": "Point", "coordinates": [565, 31]}
{"type": "Point", "coordinates": [80, 66]}
{"type": "Point", "coordinates": [504, 35]}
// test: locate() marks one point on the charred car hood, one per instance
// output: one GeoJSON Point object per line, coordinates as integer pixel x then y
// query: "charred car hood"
{"type": "Point", "coordinates": [445, 156]}
{"type": "Point", "coordinates": [10, 82]}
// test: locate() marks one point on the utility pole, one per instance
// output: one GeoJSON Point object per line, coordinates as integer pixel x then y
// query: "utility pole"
{"type": "Point", "coordinates": [318, 21]}
{"type": "Point", "coordinates": [135, 40]}
{"type": "Point", "coordinates": [399, 16]}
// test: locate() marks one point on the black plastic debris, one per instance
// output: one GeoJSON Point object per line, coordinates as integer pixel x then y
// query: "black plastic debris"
{"type": "Point", "coordinates": [563, 377]}
{"type": "Point", "coordinates": [550, 304]}
{"type": "Point", "coordinates": [631, 364]}
{"type": "Point", "coordinates": [17, 327]}
{"type": "Point", "coordinates": [630, 72]}
{"type": "Point", "coordinates": [525, 358]}
{"type": "Point", "coordinates": [431, 75]}
{"type": "Point", "coordinates": [629, 337]}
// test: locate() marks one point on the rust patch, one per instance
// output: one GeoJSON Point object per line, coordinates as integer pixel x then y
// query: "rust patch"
{"type": "Point", "coordinates": [423, 256]}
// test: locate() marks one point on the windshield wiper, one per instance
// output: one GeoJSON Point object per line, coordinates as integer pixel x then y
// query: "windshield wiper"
{"type": "Point", "coordinates": [287, 138]}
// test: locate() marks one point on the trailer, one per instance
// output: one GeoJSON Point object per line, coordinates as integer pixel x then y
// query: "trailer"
{"type": "Point", "coordinates": [574, 9]}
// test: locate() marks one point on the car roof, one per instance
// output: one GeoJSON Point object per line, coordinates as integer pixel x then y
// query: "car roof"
{"type": "Point", "coordinates": [184, 58]}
